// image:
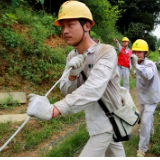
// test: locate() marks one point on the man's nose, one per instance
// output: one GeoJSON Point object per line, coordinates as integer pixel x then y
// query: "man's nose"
{"type": "Point", "coordinates": [65, 29]}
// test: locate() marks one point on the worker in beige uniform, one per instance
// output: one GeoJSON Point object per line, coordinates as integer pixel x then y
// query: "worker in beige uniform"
{"type": "Point", "coordinates": [124, 65]}
{"type": "Point", "coordinates": [99, 64]}
{"type": "Point", "coordinates": [148, 87]}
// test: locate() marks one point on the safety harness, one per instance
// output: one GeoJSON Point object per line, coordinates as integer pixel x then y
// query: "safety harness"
{"type": "Point", "coordinates": [82, 22]}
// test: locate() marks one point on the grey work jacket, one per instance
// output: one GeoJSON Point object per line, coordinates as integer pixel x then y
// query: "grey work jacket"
{"type": "Point", "coordinates": [102, 82]}
{"type": "Point", "coordinates": [147, 82]}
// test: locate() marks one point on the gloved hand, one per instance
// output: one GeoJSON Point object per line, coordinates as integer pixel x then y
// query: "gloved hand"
{"type": "Point", "coordinates": [40, 107]}
{"type": "Point", "coordinates": [78, 64]}
{"type": "Point", "coordinates": [134, 60]}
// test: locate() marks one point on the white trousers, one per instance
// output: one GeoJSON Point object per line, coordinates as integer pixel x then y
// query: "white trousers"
{"type": "Point", "coordinates": [147, 128]}
{"type": "Point", "coordinates": [124, 72]}
{"type": "Point", "coordinates": [103, 145]}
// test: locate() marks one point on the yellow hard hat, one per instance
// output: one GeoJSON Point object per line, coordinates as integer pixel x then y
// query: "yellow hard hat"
{"type": "Point", "coordinates": [73, 10]}
{"type": "Point", "coordinates": [159, 49]}
{"type": "Point", "coordinates": [140, 45]}
{"type": "Point", "coordinates": [125, 39]}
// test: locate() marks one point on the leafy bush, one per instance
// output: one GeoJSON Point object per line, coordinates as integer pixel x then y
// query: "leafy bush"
{"type": "Point", "coordinates": [105, 17]}
{"type": "Point", "coordinates": [154, 56]}
{"type": "Point", "coordinates": [10, 38]}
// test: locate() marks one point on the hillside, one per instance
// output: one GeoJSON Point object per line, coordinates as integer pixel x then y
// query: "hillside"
{"type": "Point", "coordinates": [32, 59]}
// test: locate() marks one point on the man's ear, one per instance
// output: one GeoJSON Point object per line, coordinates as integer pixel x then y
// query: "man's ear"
{"type": "Point", "coordinates": [146, 54]}
{"type": "Point", "coordinates": [87, 26]}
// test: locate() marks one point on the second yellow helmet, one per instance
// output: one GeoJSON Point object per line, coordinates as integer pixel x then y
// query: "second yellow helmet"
{"type": "Point", "coordinates": [140, 45]}
{"type": "Point", "coordinates": [73, 10]}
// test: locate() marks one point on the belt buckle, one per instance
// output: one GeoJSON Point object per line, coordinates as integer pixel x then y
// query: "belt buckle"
{"type": "Point", "coordinates": [109, 115]}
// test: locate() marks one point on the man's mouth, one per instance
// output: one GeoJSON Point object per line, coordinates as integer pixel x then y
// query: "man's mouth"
{"type": "Point", "coordinates": [67, 37]}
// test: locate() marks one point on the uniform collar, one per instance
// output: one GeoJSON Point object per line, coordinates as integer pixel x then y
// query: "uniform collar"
{"type": "Point", "coordinates": [92, 48]}
{"type": "Point", "coordinates": [126, 49]}
{"type": "Point", "coordinates": [143, 61]}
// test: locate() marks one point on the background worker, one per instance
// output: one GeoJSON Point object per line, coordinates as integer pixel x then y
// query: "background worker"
{"type": "Point", "coordinates": [124, 65]}
{"type": "Point", "coordinates": [102, 82]}
{"type": "Point", "coordinates": [159, 50]}
{"type": "Point", "coordinates": [148, 87]}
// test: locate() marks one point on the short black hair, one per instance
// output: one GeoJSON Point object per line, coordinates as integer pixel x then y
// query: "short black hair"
{"type": "Point", "coordinates": [83, 21]}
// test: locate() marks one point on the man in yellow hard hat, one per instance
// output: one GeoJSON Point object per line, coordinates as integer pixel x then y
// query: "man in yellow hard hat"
{"type": "Point", "coordinates": [124, 65]}
{"type": "Point", "coordinates": [159, 50]}
{"type": "Point", "coordinates": [99, 65]}
{"type": "Point", "coordinates": [148, 87]}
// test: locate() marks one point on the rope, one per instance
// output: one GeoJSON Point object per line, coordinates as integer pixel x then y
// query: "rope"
{"type": "Point", "coordinates": [30, 116]}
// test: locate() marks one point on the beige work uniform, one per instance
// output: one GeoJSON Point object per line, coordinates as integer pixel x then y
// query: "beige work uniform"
{"type": "Point", "coordinates": [102, 82]}
{"type": "Point", "coordinates": [148, 87]}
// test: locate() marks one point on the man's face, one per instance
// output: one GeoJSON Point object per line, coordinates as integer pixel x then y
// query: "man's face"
{"type": "Point", "coordinates": [125, 43]}
{"type": "Point", "coordinates": [72, 31]}
{"type": "Point", "coordinates": [139, 54]}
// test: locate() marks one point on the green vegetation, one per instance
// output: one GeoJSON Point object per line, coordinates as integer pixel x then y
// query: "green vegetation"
{"type": "Point", "coordinates": [154, 56]}
{"type": "Point", "coordinates": [32, 135]}
{"type": "Point", "coordinates": [25, 56]}
{"type": "Point", "coordinates": [155, 138]}
{"type": "Point", "coordinates": [131, 146]}
{"type": "Point", "coordinates": [105, 17]}
{"type": "Point", "coordinates": [31, 58]}
{"type": "Point", "coordinates": [69, 146]}
{"type": "Point", "coordinates": [137, 20]}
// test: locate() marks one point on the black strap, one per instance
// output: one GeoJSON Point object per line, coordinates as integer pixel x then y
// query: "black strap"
{"type": "Point", "coordinates": [107, 112]}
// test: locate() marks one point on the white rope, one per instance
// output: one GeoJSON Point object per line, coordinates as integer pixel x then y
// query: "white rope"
{"type": "Point", "coordinates": [91, 49]}
{"type": "Point", "coordinates": [30, 116]}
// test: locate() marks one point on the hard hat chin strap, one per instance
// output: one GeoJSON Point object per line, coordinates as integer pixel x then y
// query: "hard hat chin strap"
{"type": "Point", "coordinates": [145, 52]}
{"type": "Point", "coordinates": [82, 22]}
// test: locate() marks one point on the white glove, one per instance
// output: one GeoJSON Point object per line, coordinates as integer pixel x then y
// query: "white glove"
{"type": "Point", "coordinates": [78, 64]}
{"type": "Point", "coordinates": [134, 60]}
{"type": "Point", "coordinates": [40, 107]}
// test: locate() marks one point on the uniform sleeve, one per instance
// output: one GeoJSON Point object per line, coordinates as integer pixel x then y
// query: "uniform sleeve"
{"type": "Point", "coordinates": [67, 86]}
{"type": "Point", "coordinates": [118, 46]}
{"type": "Point", "coordinates": [93, 89]}
{"type": "Point", "coordinates": [146, 72]}
{"type": "Point", "coordinates": [130, 65]}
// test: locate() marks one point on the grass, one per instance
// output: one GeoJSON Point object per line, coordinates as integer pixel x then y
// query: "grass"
{"type": "Point", "coordinates": [30, 57]}
{"type": "Point", "coordinates": [69, 146]}
{"type": "Point", "coordinates": [32, 135]}
{"type": "Point", "coordinates": [9, 103]}
{"type": "Point", "coordinates": [132, 80]}
{"type": "Point", "coordinates": [4, 128]}
{"type": "Point", "coordinates": [131, 146]}
{"type": "Point", "coordinates": [155, 148]}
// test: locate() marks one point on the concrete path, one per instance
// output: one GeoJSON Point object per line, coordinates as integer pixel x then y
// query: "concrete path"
{"type": "Point", "coordinates": [13, 117]}
{"type": "Point", "coordinates": [19, 96]}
